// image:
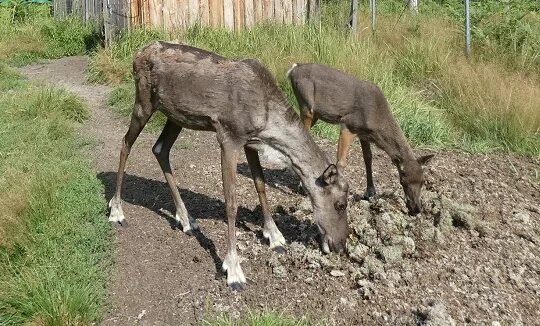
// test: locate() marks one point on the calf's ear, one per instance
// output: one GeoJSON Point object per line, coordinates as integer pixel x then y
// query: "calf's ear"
{"type": "Point", "coordinates": [424, 160]}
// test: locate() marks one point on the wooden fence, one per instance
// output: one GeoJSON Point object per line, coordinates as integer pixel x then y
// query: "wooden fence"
{"type": "Point", "coordinates": [116, 15]}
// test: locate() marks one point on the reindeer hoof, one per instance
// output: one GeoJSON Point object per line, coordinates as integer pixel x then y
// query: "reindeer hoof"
{"type": "Point", "coordinates": [189, 232]}
{"type": "Point", "coordinates": [123, 223]}
{"type": "Point", "coordinates": [280, 249]}
{"type": "Point", "coordinates": [369, 194]}
{"type": "Point", "coordinates": [237, 286]}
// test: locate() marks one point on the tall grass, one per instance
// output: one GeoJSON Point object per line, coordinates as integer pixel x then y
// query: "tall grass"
{"type": "Point", "coordinates": [439, 98]}
{"type": "Point", "coordinates": [54, 236]}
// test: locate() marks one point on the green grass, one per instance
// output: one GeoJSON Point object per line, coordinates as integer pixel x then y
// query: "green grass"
{"type": "Point", "coordinates": [35, 35]}
{"type": "Point", "coordinates": [54, 236]}
{"type": "Point", "coordinates": [258, 319]}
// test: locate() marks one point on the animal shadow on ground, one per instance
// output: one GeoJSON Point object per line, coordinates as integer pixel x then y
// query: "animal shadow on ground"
{"type": "Point", "coordinates": [156, 196]}
{"type": "Point", "coordinates": [281, 179]}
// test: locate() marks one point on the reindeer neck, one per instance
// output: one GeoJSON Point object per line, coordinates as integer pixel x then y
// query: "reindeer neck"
{"type": "Point", "coordinates": [285, 133]}
{"type": "Point", "coordinates": [395, 144]}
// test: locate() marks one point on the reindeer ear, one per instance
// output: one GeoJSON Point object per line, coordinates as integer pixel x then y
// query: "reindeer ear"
{"type": "Point", "coordinates": [330, 175]}
{"type": "Point", "coordinates": [423, 160]}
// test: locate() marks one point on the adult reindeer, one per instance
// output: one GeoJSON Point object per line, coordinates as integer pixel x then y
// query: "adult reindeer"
{"type": "Point", "coordinates": [362, 110]}
{"type": "Point", "coordinates": [241, 103]}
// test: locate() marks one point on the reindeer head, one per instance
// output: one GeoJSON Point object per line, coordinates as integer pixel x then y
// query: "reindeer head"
{"type": "Point", "coordinates": [330, 209]}
{"type": "Point", "coordinates": [411, 178]}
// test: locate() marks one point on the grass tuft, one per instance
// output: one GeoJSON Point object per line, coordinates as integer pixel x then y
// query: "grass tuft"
{"type": "Point", "coordinates": [54, 235]}
{"type": "Point", "coordinates": [258, 319]}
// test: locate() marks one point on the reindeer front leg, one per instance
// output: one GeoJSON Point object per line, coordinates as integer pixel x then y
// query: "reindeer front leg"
{"type": "Point", "coordinates": [270, 231]}
{"type": "Point", "coordinates": [231, 264]}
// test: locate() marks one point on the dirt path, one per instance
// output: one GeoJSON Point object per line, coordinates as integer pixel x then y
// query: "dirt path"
{"type": "Point", "coordinates": [464, 272]}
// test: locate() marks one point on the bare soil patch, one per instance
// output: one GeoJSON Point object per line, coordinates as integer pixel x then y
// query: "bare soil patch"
{"type": "Point", "coordinates": [473, 256]}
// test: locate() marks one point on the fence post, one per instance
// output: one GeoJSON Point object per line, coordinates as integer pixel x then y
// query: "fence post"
{"type": "Point", "coordinates": [373, 8]}
{"type": "Point", "coordinates": [467, 29]}
{"type": "Point", "coordinates": [354, 16]}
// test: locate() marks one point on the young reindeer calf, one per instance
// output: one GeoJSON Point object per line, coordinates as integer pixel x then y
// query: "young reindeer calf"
{"type": "Point", "coordinates": [362, 110]}
{"type": "Point", "coordinates": [241, 102]}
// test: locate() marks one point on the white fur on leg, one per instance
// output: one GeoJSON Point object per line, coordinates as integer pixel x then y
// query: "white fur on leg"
{"type": "Point", "coordinates": [187, 222]}
{"type": "Point", "coordinates": [117, 214]}
{"type": "Point", "coordinates": [231, 265]}
{"type": "Point", "coordinates": [274, 236]}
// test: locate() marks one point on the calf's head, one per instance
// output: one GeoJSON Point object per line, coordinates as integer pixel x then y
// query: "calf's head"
{"type": "Point", "coordinates": [330, 210]}
{"type": "Point", "coordinates": [411, 177]}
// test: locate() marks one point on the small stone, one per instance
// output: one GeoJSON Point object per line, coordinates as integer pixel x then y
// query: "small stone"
{"type": "Point", "coordinates": [438, 236]}
{"type": "Point", "coordinates": [391, 254]}
{"type": "Point", "coordinates": [279, 271]}
{"type": "Point", "coordinates": [436, 315]}
{"type": "Point", "coordinates": [308, 280]}
{"type": "Point", "coordinates": [407, 244]}
{"type": "Point", "coordinates": [373, 265]}
{"type": "Point", "coordinates": [428, 234]}
{"type": "Point", "coordinates": [387, 225]}
{"type": "Point", "coordinates": [192, 166]}
{"type": "Point", "coordinates": [366, 289]}
{"type": "Point", "coordinates": [359, 252]}
{"type": "Point", "coordinates": [521, 217]}
{"type": "Point", "coordinates": [141, 315]}
{"type": "Point", "coordinates": [337, 273]}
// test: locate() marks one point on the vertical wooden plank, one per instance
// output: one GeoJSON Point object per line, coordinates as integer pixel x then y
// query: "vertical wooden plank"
{"type": "Point", "coordinates": [147, 12]}
{"type": "Point", "coordinates": [288, 7]}
{"type": "Point", "coordinates": [135, 14]}
{"type": "Point", "coordinates": [301, 11]}
{"type": "Point", "coordinates": [159, 11]}
{"type": "Point", "coordinates": [204, 13]}
{"type": "Point", "coordinates": [278, 11]}
{"type": "Point", "coordinates": [238, 14]}
{"type": "Point", "coordinates": [167, 14]}
{"type": "Point", "coordinates": [295, 12]}
{"type": "Point", "coordinates": [107, 25]}
{"type": "Point", "coordinates": [183, 13]}
{"type": "Point", "coordinates": [193, 12]}
{"type": "Point", "coordinates": [59, 8]}
{"type": "Point", "coordinates": [216, 11]}
{"type": "Point", "coordinates": [258, 4]}
{"type": "Point", "coordinates": [69, 6]}
{"type": "Point", "coordinates": [250, 13]}
{"type": "Point", "coordinates": [153, 14]}
{"type": "Point", "coordinates": [268, 10]}
{"type": "Point", "coordinates": [228, 14]}
{"type": "Point", "coordinates": [313, 11]}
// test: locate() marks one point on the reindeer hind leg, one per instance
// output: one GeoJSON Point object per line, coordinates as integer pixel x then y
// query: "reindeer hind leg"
{"type": "Point", "coordinates": [161, 150]}
{"type": "Point", "coordinates": [142, 111]}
